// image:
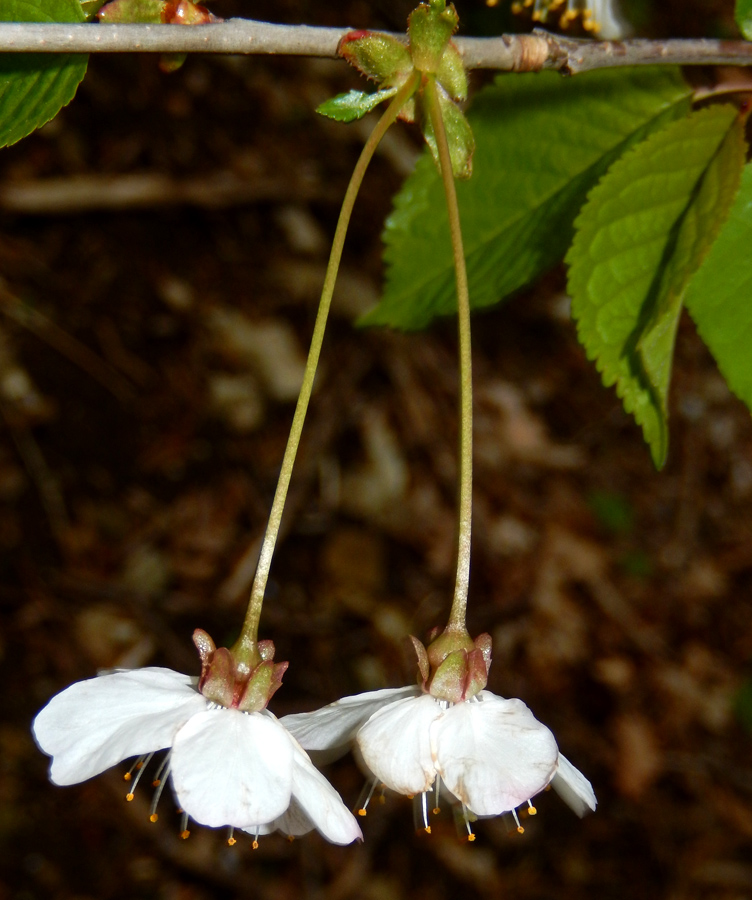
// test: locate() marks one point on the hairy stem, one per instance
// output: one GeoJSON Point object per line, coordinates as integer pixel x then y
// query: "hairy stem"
{"type": "Point", "coordinates": [250, 625]}
{"type": "Point", "coordinates": [465, 513]}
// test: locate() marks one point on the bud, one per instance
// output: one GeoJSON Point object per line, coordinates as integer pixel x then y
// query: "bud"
{"type": "Point", "coordinates": [429, 31]}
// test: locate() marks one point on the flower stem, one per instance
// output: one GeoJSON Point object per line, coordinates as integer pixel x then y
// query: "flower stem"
{"type": "Point", "coordinates": [250, 625]}
{"type": "Point", "coordinates": [459, 602]}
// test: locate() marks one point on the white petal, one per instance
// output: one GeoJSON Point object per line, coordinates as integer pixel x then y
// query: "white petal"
{"type": "Point", "coordinates": [573, 788]}
{"type": "Point", "coordinates": [334, 727]}
{"type": "Point", "coordinates": [232, 768]}
{"type": "Point", "coordinates": [320, 803]}
{"type": "Point", "coordinates": [395, 744]}
{"type": "Point", "coordinates": [493, 754]}
{"type": "Point", "coordinates": [292, 823]}
{"type": "Point", "coordinates": [95, 724]}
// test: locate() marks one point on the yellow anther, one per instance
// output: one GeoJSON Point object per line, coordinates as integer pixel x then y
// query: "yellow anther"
{"type": "Point", "coordinates": [290, 838]}
{"type": "Point", "coordinates": [129, 797]}
{"type": "Point", "coordinates": [127, 776]}
{"type": "Point", "coordinates": [156, 782]}
{"type": "Point", "coordinates": [362, 811]}
{"type": "Point", "coordinates": [410, 796]}
{"type": "Point", "coordinates": [520, 829]}
{"type": "Point", "coordinates": [185, 834]}
{"type": "Point", "coordinates": [255, 845]}
{"type": "Point", "coordinates": [492, 3]}
{"type": "Point", "coordinates": [428, 829]}
{"type": "Point", "coordinates": [153, 817]}
{"type": "Point", "coordinates": [231, 842]}
{"type": "Point", "coordinates": [471, 836]}
{"type": "Point", "coordinates": [436, 810]}
{"type": "Point", "coordinates": [532, 811]}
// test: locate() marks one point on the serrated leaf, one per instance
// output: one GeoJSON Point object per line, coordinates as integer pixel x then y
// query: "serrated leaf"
{"type": "Point", "coordinates": [718, 297]}
{"type": "Point", "coordinates": [35, 86]}
{"type": "Point", "coordinates": [642, 234]}
{"type": "Point", "coordinates": [353, 105]}
{"type": "Point", "coordinates": [743, 15]}
{"type": "Point", "coordinates": [542, 141]}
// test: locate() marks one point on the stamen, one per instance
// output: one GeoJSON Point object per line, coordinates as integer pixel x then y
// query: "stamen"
{"type": "Point", "coordinates": [255, 843]}
{"type": "Point", "coordinates": [231, 841]}
{"type": "Point", "coordinates": [424, 806]}
{"type": "Point", "coordinates": [363, 807]}
{"type": "Point", "coordinates": [520, 829]}
{"type": "Point", "coordinates": [136, 765]}
{"type": "Point", "coordinates": [437, 787]}
{"type": "Point", "coordinates": [161, 771]}
{"type": "Point", "coordinates": [140, 764]}
{"type": "Point", "coordinates": [466, 817]}
{"type": "Point", "coordinates": [531, 810]}
{"type": "Point", "coordinates": [159, 784]}
{"type": "Point", "coordinates": [184, 833]}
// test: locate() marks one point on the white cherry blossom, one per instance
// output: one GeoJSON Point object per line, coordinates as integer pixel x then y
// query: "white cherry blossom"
{"type": "Point", "coordinates": [490, 753]}
{"type": "Point", "coordinates": [228, 768]}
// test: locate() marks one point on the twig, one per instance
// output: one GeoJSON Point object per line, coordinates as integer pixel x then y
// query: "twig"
{"type": "Point", "coordinates": [511, 52]}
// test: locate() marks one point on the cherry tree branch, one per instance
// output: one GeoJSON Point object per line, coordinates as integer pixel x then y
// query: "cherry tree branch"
{"type": "Point", "coordinates": [511, 52]}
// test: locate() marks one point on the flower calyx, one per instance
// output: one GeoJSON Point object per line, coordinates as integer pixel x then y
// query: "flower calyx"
{"type": "Point", "coordinates": [453, 667]}
{"type": "Point", "coordinates": [242, 678]}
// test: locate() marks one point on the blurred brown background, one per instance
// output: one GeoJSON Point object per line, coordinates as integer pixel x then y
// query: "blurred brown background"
{"type": "Point", "coordinates": [162, 247]}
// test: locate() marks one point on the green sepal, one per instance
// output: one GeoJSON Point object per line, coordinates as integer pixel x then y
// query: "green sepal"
{"type": "Point", "coordinates": [146, 12]}
{"type": "Point", "coordinates": [423, 667]}
{"type": "Point", "coordinates": [256, 693]}
{"type": "Point", "coordinates": [380, 57]}
{"type": "Point", "coordinates": [218, 679]}
{"type": "Point", "coordinates": [451, 74]}
{"type": "Point", "coordinates": [353, 105]}
{"type": "Point", "coordinates": [743, 16]}
{"type": "Point", "coordinates": [448, 682]}
{"type": "Point", "coordinates": [458, 132]}
{"type": "Point", "coordinates": [429, 31]}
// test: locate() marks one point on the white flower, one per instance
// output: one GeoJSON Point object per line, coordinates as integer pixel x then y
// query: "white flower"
{"type": "Point", "coordinates": [602, 17]}
{"type": "Point", "coordinates": [492, 754]}
{"type": "Point", "coordinates": [240, 769]}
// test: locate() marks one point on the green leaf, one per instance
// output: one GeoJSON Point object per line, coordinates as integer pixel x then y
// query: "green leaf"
{"type": "Point", "coordinates": [718, 297]}
{"type": "Point", "coordinates": [743, 15]}
{"type": "Point", "coordinates": [643, 233]}
{"type": "Point", "coordinates": [353, 105]}
{"type": "Point", "coordinates": [542, 141]}
{"type": "Point", "coordinates": [35, 86]}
